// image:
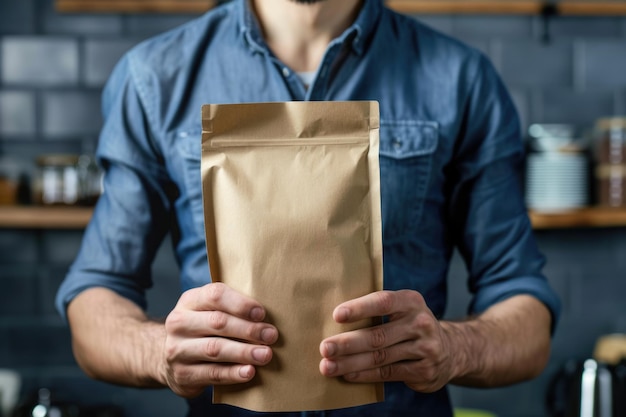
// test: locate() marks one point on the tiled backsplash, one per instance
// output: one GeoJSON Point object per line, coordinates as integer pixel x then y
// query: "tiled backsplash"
{"type": "Point", "coordinates": [52, 69]}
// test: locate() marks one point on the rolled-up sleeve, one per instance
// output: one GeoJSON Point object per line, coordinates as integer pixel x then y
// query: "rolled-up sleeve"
{"type": "Point", "coordinates": [132, 216]}
{"type": "Point", "coordinates": [490, 222]}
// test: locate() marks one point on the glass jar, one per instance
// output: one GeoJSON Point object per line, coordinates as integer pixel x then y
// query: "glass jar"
{"type": "Point", "coordinates": [611, 141]}
{"type": "Point", "coordinates": [67, 180]}
{"type": "Point", "coordinates": [8, 182]}
{"type": "Point", "coordinates": [610, 156]}
{"type": "Point", "coordinates": [611, 185]}
{"type": "Point", "coordinates": [57, 181]}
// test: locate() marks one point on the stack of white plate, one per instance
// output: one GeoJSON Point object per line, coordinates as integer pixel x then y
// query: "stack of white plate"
{"type": "Point", "coordinates": [556, 181]}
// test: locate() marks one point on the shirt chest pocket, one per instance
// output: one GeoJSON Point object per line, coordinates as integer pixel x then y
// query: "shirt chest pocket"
{"type": "Point", "coordinates": [188, 146]}
{"type": "Point", "coordinates": [406, 158]}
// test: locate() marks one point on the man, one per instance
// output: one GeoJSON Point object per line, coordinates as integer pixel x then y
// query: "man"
{"type": "Point", "coordinates": [450, 155]}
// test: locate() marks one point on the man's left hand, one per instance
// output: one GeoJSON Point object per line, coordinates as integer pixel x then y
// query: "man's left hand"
{"type": "Point", "coordinates": [412, 346]}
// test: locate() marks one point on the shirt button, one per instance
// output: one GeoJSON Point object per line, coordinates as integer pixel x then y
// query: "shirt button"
{"type": "Point", "coordinates": [397, 144]}
{"type": "Point", "coordinates": [286, 72]}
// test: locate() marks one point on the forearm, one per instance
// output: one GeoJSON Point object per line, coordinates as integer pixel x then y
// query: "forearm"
{"type": "Point", "coordinates": [114, 341]}
{"type": "Point", "coordinates": [508, 343]}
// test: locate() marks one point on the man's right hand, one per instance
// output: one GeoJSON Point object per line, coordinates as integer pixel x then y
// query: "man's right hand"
{"type": "Point", "coordinates": [215, 336]}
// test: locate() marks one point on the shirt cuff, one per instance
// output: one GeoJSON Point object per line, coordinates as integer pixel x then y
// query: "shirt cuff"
{"type": "Point", "coordinates": [534, 286]}
{"type": "Point", "coordinates": [77, 282]}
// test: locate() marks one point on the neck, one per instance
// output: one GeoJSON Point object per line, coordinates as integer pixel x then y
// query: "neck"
{"type": "Point", "coordinates": [298, 34]}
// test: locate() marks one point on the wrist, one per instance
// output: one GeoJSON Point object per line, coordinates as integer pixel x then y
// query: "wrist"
{"type": "Point", "coordinates": [153, 371]}
{"type": "Point", "coordinates": [462, 340]}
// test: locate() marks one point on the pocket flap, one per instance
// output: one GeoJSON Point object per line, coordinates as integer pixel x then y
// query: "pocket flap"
{"type": "Point", "coordinates": [407, 138]}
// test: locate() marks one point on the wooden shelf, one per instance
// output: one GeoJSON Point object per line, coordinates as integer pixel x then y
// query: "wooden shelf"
{"type": "Point", "coordinates": [16, 217]}
{"type": "Point", "coordinates": [590, 217]}
{"type": "Point", "coordinates": [523, 7]}
{"type": "Point", "coordinates": [519, 7]}
{"type": "Point", "coordinates": [466, 6]}
{"type": "Point", "coordinates": [135, 6]}
{"type": "Point", "coordinates": [589, 8]}
{"type": "Point", "coordinates": [77, 218]}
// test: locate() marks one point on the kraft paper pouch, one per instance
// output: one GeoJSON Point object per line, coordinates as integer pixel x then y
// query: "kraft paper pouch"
{"type": "Point", "coordinates": [292, 217]}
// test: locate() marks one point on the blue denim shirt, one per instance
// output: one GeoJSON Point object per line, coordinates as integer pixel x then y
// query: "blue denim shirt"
{"type": "Point", "coordinates": [450, 158]}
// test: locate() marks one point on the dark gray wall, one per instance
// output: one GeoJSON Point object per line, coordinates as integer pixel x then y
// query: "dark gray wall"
{"type": "Point", "coordinates": [52, 68]}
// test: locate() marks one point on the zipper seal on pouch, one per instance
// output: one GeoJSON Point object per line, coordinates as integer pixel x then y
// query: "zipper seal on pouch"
{"type": "Point", "coordinates": [230, 143]}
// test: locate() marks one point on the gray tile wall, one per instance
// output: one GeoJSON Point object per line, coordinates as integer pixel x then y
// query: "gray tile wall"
{"type": "Point", "coordinates": [576, 78]}
{"type": "Point", "coordinates": [53, 66]}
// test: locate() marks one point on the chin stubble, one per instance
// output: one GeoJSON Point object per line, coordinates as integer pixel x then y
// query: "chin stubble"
{"type": "Point", "coordinates": [306, 1]}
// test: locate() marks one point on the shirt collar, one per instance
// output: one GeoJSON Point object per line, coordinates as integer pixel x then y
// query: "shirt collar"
{"type": "Point", "coordinates": [358, 33]}
{"type": "Point", "coordinates": [365, 24]}
{"type": "Point", "coordinates": [249, 27]}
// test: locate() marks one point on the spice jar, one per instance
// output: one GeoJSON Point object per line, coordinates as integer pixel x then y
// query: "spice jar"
{"type": "Point", "coordinates": [56, 182]}
{"type": "Point", "coordinates": [610, 173]}
{"type": "Point", "coordinates": [7, 184]}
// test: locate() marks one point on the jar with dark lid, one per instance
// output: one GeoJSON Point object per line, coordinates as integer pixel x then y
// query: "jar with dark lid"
{"type": "Point", "coordinates": [611, 185]}
{"type": "Point", "coordinates": [9, 171]}
{"type": "Point", "coordinates": [610, 138]}
{"type": "Point", "coordinates": [57, 180]}
{"type": "Point", "coordinates": [610, 155]}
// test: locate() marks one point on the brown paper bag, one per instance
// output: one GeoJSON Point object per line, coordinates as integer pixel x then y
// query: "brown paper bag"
{"type": "Point", "coordinates": [292, 217]}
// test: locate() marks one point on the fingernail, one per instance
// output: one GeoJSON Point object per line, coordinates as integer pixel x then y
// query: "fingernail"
{"type": "Point", "coordinates": [342, 314]}
{"type": "Point", "coordinates": [331, 349]}
{"type": "Point", "coordinates": [331, 367]}
{"type": "Point", "coordinates": [268, 335]}
{"type": "Point", "coordinates": [246, 371]}
{"type": "Point", "coordinates": [260, 354]}
{"type": "Point", "coordinates": [257, 314]}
